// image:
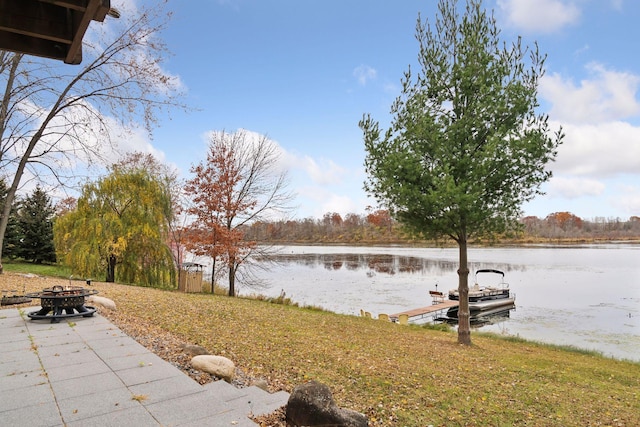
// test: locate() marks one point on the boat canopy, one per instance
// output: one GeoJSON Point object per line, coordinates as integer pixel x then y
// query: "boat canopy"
{"type": "Point", "coordinates": [490, 270]}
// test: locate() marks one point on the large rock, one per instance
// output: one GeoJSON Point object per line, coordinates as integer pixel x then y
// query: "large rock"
{"type": "Point", "coordinates": [218, 366]}
{"type": "Point", "coordinates": [312, 404]}
{"type": "Point", "coordinates": [102, 301]}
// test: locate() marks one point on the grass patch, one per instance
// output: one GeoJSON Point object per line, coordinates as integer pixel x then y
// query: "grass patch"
{"type": "Point", "coordinates": [396, 375]}
{"type": "Point", "coordinates": [283, 299]}
{"type": "Point", "coordinates": [441, 326]}
{"type": "Point", "coordinates": [565, 347]}
{"type": "Point", "coordinates": [51, 270]}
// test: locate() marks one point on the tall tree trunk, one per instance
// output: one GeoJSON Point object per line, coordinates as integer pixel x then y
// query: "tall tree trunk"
{"type": "Point", "coordinates": [232, 279]}
{"type": "Point", "coordinates": [33, 141]}
{"type": "Point", "coordinates": [464, 325]}
{"type": "Point", "coordinates": [4, 106]}
{"type": "Point", "coordinates": [213, 276]}
{"type": "Point", "coordinates": [111, 269]}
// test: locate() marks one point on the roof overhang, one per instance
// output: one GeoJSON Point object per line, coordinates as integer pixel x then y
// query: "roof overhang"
{"type": "Point", "coordinates": [49, 28]}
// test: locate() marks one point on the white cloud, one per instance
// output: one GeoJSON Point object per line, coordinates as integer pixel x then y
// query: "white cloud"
{"type": "Point", "coordinates": [572, 188]}
{"type": "Point", "coordinates": [607, 95]}
{"type": "Point", "coordinates": [606, 149]}
{"type": "Point", "coordinates": [364, 73]}
{"type": "Point", "coordinates": [540, 15]}
{"type": "Point", "coordinates": [616, 4]}
{"type": "Point", "coordinates": [628, 200]}
{"type": "Point", "coordinates": [324, 201]}
{"type": "Point", "coordinates": [324, 173]}
{"type": "Point", "coordinates": [130, 141]}
{"type": "Point", "coordinates": [340, 204]}
{"type": "Point", "coordinates": [583, 49]}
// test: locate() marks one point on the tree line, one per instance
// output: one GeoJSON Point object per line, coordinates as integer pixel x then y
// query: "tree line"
{"type": "Point", "coordinates": [378, 227]}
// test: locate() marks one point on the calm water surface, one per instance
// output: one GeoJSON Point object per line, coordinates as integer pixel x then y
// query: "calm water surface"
{"type": "Point", "coordinates": [587, 296]}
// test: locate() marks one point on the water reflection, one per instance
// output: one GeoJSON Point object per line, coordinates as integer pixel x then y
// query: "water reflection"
{"type": "Point", "coordinates": [383, 263]}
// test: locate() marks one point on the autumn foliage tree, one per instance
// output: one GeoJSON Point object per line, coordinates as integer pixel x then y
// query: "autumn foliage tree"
{"type": "Point", "coordinates": [564, 220]}
{"type": "Point", "coordinates": [239, 183]}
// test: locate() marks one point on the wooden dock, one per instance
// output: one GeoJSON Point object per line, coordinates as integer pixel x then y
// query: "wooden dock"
{"type": "Point", "coordinates": [434, 310]}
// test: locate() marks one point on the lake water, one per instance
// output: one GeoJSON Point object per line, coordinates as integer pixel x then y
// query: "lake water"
{"type": "Point", "coordinates": [587, 296]}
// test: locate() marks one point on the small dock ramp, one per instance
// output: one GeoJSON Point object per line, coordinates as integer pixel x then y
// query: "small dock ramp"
{"type": "Point", "coordinates": [429, 313]}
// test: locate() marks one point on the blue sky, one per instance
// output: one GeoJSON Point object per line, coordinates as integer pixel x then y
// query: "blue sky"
{"type": "Point", "coordinates": [303, 72]}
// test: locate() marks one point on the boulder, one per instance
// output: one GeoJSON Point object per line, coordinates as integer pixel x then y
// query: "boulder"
{"type": "Point", "coordinates": [311, 404]}
{"type": "Point", "coordinates": [102, 302]}
{"type": "Point", "coordinates": [194, 350]}
{"type": "Point", "coordinates": [218, 366]}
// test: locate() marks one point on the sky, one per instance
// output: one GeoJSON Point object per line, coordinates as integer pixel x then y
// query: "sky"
{"type": "Point", "coordinates": [304, 72]}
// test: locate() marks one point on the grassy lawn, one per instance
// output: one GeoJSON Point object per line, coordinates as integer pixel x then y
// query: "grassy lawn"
{"type": "Point", "coordinates": [396, 375]}
{"type": "Point", "coordinates": [39, 269]}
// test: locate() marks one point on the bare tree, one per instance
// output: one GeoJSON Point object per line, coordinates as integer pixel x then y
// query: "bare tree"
{"type": "Point", "coordinates": [55, 118]}
{"type": "Point", "coordinates": [238, 184]}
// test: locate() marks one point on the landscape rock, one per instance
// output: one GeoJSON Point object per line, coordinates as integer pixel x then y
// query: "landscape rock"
{"type": "Point", "coordinates": [194, 350]}
{"type": "Point", "coordinates": [218, 366]}
{"type": "Point", "coordinates": [102, 301]}
{"type": "Point", "coordinates": [312, 405]}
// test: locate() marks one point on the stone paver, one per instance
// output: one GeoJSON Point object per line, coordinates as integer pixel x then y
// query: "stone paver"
{"type": "Point", "coordinates": [87, 372]}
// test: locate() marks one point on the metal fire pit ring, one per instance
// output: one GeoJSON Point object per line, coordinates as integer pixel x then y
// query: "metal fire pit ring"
{"type": "Point", "coordinates": [62, 302]}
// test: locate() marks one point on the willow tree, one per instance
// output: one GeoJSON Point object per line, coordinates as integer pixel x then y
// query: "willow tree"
{"type": "Point", "coordinates": [121, 220]}
{"type": "Point", "coordinates": [466, 146]}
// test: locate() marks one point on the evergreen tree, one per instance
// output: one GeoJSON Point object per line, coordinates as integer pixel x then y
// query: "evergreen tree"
{"type": "Point", "coordinates": [467, 145]}
{"type": "Point", "coordinates": [35, 224]}
{"type": "Point", "coordinates": [11, 242]}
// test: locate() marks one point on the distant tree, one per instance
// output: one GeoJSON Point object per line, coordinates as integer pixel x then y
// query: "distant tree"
{"type": "Point", "coordinates": [532, 225]}
{"type": "Point", "coordinates": [66, 205]}
{"type": "Point", "coordinates": [35, 222]}
{"type": "Point", "coordinates": [380, 218]}
{"type": "Point", "coordinates": [564, 220]}
{"type": "Point", "coordinates": [466, 146]}
{"type": "Point", "coordinates": [332, 224]}
{"type": "Point", "coordinates": [336, 220]}
{"type": "Point", "coordinates": [55, 116]}
{"type": "Point", "coordinates": [121, 221]}
{"type": "Point", "coordinates": [239, 183]}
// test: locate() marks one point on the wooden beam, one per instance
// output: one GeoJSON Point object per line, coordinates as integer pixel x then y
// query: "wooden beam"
{"type": "Point", "coordinates": [80, 5]}
{"type": "Point", "coordinates": [49, 28]}
{"type": "Point", "coordinates": [35, 19]}
{"type": "Point", "coordinates": [80, 23]}
{"type": "Point", "coordinates": [33, 46]}
{"type": "Point", "coordinates": [83, 5]}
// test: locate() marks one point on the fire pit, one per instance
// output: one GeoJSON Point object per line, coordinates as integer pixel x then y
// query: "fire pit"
{"type": "Point", "coordinates": [62, 302]}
